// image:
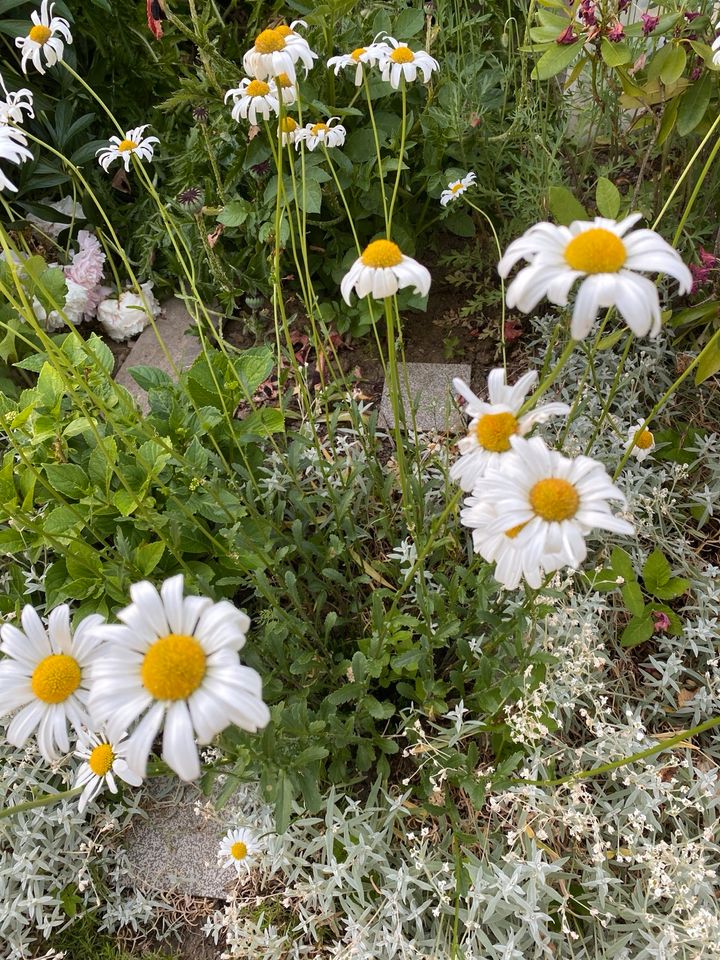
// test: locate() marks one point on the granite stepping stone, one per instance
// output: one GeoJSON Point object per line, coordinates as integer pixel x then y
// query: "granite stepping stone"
{"type": "Point", "coordinates": [430, 393]}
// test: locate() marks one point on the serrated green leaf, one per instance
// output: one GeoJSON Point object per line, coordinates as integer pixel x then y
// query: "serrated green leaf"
{"type": "Point", "coordinates": [639, 630]}
{"type": "Point", "coordinates": [633, 597]}
{"type": "Point", "coordinates": [409, 23]}
{"type": "Point", "coordinates": [68, 479]}
{"type": "Point", "coordinates": [675, 587]}
{"type": "Point", "coordinates": [622, 564]}
{"type": "Point", "coordinates": [656, 571]}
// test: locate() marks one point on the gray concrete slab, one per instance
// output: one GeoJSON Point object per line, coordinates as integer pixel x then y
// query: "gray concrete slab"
{"type": "Point", "coordinates": [430, 393]}
{"type": "Point", "coordinates": [147, 351]}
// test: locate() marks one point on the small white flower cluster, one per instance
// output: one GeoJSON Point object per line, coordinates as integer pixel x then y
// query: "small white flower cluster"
{"type": "Point", "coordinates": [172, 663]}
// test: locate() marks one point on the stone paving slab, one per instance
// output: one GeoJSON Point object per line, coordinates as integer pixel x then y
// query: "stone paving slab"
{"type": "Point", "coordinates": [146, 351]}
{"type": "Point", "coordinates": [431, 393]}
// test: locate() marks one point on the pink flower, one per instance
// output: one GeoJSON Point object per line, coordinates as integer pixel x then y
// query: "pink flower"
{"type": "Point", "coordinates": [587, 13]}
{"type": "Point", "coordinates": [649, 23]}
{"type": "Point", "coordinates": [567, 36]}
{"type": "Point", "coordinates": [87, 264]}
{"type": "Point", "coordinates": [661, 621]}
{"type": "Point", "coordinates": [616, 33]}
{"type": "Point", "coordinates": [700, 275]}
{"type": "Point", "coordinates": [707, 259]}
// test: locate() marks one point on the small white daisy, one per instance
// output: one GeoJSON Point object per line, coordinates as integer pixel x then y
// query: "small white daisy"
{"type": "Point", "coordinates": [607, 258]}
{"type": "Point", "coordinates": [14, 149]}
{"type": "Point", "coordinates": [132, 142]}
{"type": "Point", "coordinates": [456, 188]}
{"type": "Point", "coordinates": [174, 662]}
{"type": "Point", "coordinates": [45, 676]}
{"type": "Point", "coordinates": [277, 51]}
{"type": "Point", "coordinates": [370, 55]}
{"type": "Point", "coordinates": [548, 502]}
{"type": "Point", "coordinates": [103, 761]}
{"type": "Point", "coordinates": [381, 270]}
{"type": "Point", "coordinates": [404, 63]}
{"type": "Point", "coordinates": [284, 89]}
{"type": "Point", "coordinates": [237, 849]}
{"type": "Point", "coordinates": [11, 108]}
{"type": "Point", "coordinates": [288, 130]}
{"type": "Point", "coordinates": [45, 37]}
{"type": "Point", "coordinates": [493, 423]}
{"type": "Point", "coordinates": [511, 565]}
{"type": "Point", "coordinates": [317, 134]}
{"type": "Point", "coordinates": [297, 43]}
{"type": "Point", "coordinates": [251, 98]}
{"type": "Point", "coordinates": [641, 441]}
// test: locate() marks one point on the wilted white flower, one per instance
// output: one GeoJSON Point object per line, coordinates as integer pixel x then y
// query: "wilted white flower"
{"type": "Point", "coordinates": [14, 149]}
{"type": "Point", "coordinates": [53, 229]}
{"type": "Point", "coordinates": [88, 262]}
{"type": "Point", "coordinates": [404, 63]}
{"type": "Point", "coordinates": [381, 270]}
{"type": "Point", "coordinates": [75, 306]}
{"type": "Point", "coordinates": [173, 663]}
{"type": "Point", "coordinates": [45, 677]}
{"type": "Point", "coordinates": [315, 134]}
{"type": "Point", "coordinates": [251, 98]}
{"type": "Point", "coordinates": [285, 89]}
{"type": "Point", "coordinates": [277, 51]}
{"type": "Point", "coordinates": [494, 423]}
{"type": "Point", "coordinates": [11, 108]}
{"type": "Point", "coordinates": [456, 188]}
{"type": "Point", "coordinates": [131, 143]}
{"type": "Point", "coordinates": [127, 315]}
{"type": "Point", "coordinates": [370, 55]}
{"type": "Point", "coordinates": [607, 258]}
{"type": "Point", "coordinates": [103, 761]}
{"type": "Point", "coordinates": [237, 849]}
{"type": "Point", "coordinates": [640, 440]}
{"type": "Point", "coordinates": [288, 130]}
{"type": "Point", "coordinates": [45, 37]}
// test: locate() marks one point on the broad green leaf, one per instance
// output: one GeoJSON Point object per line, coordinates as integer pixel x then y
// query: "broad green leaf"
{"type": "Point", "coordinates": [252, 367]}
{"type": "Point", "coordinates": [555, 59]}
{"type": "Point", "coordinates": [622, 564]}
{"type": "Point", "coordinates": [261, 423]}
{"type": "Point", "coordinates": [633, 597]}
{"type": "Point", "coordinates": [564, 207]}
{"type": "Point", "coordinates": [709, 362]}
{"type": "Point", "coordinates": [674, 65]}
{"type": "Point", "coordinates": [639, 630]}
{"type": "Point", "coordinates": [669, 119]}
{"type": "Point", "coordinates": [675, 587]}
{"type": "Point", "coordinates": [607, 197]}
{"type": "Point", "coordinates": [148, 377]}
{"type": "Point", "coordinates": [68, 479]}
{"type": "Point", "coordinates": [235, 213]}
{"type": "Point", "coordinates": [409, 23]}
{"type": "Point", "coordinates": [656, 570]}
{"type": "Point", "coordinates": [693, 104]}
{"type": "Point", "coordinates": [615, 54]}
{"type": "Point", "coordinates": [148, 556]}
{"type": "Point", "coordinates": [460, 223]}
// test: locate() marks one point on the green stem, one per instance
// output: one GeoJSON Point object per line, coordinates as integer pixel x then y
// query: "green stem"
{"type": "Point", "coordinates": [377, 144]}
{"type": "Point", "coordinates": [550, 378]}
{"type": "Point", "coordinates": [398, 173]}
{"type": "Point", "coordinates": [44, 801]}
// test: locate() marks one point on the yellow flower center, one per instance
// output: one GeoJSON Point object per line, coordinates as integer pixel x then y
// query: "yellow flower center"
{"type": "Point", "coordinates": [402, 55]}
{"type": "Point", "coordinates": [283, 29]}
{"type": "Point", "coordinates": [270, 41]}
{"type": "Point", "coordinates": [238, 851]}
{"type": "Point", "coordinates": [318, 128]}
{"type": "Point", "coordinates": [55, 678]}
{"type": "Point", "coordinates": [493, 431]}
{"type": "Point", "coordinates": [644, 439]}
{"type": "Point", "coordinates": [101, 759]}
{"type": "Point", "coordinates": [356, 54]}
{"type": "Point", "coordinates": [283, 80]}
{"type": "Point", "coordinates": [287, 125]}
{"type": "Point", "coordinates": [257, 88]}
{"type": "Point", "coordinates": [126, 145]}
{"type": "Point", "coordinates": [173, 667]}
{"type": "Point", "coordinates": [40, 34]}
{"type": "Point", "coordinates": [514, 531]}
{"type": "Point", "coordinates": [456, 186]}
{"type": "Point", "coordinates": [381, 253]}
{"type": "Point", "coordinates": [596, 251]}
{"type": "Point", "coordinates": [554, 499]}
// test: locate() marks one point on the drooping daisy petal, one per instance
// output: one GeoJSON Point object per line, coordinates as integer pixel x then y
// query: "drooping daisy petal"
{"type": "Point", "coordinates": [132, 143]}
{"type": "Point", "coordinates": [323, 133]}
{"type": "Point", "coordinates": [174, 665]}
{"type": "Point", "coordinates": [253, 98]}
{"type": "Point", "coordinates": [104, 759]}
{"type": "Point", "coordinates": [456, 188]}
{"type": "Point", "coordinates": [382, 269]}
{"type": "Point", "coordinates": [44, 38]}
{"type": "Point", "coordinates": [605, 256]}
{"type": "Point", "coordinates": [398, 62]}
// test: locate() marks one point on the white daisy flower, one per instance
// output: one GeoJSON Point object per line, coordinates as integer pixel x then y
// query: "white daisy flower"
{"type": "Point", "coordinates": [14, 149]}
{"type": "Point", "coordinates": [547, 503]}
{"type": "Point", "coordinates": [600, 252]}
{"type": "Point", "coordinates": [251, 98]}
{"type": "Point", "coordinates": [316, 134]}
{"type": "Point", "coordinates": [45, 37]}
{"type": "Point", "coordinates": [237, 849]}
{"type": "Point", "coordinates": [277, 51]}
{"type": "Point", "coordinates": [104, 760]}
{"type": "Point", "coordinates": [404, 63]}
{"type": "Point", "coordinates": [132, 142]}
{"type": "Point", "coordinates": [381, 270]}
{"type": "Point", "coordinates": [512, 565]}
{"type": "Point", "coordinates": [493, 423]}
{"type": "Point", "coordinates": [44, 676]}
{"type": "Point", "coordinates": [297, 43]}
{"type": "Point", "coordinates": [284, 89]}
{"type": "Point", "coordinates": [11, 108]}
{"type": "Point", "coordinates": [174, 662]}
{"type": "Point", "coordinates": [370, 55]}
{"type": "Point", "coordinates": [456, 188]}
{"type": "Point", "coordinates": [641, 441]}
{"type": "Point", "coordinates": [288, 130]}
